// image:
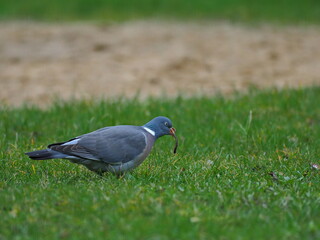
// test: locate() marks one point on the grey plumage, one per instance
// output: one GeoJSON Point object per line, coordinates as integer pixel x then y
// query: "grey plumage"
{"type": "Point", "coordinates": [115, 149]}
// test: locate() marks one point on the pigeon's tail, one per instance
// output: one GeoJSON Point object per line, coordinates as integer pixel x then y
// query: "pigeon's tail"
{"type": "Point", "coordinates": [44, 154]}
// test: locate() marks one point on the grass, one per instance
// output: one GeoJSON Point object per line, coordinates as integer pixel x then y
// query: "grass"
{"type": "Point", "coordinates": [283, 11]}
{"type": "Point", "coordinates": [243, 171]}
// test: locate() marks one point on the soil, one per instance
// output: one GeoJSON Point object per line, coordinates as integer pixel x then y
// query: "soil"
{"type": "Point", "coordinates": [41, 61]}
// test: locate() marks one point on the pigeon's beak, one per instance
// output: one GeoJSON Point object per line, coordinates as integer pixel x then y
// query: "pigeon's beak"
{"type": "Point", "coordinates": [173, 131]}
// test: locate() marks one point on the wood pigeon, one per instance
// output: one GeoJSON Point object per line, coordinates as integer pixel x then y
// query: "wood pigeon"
{"type": "Point", "coordinates": [115, 149]}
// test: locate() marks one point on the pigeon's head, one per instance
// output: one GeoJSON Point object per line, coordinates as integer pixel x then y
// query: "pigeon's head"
{"type": "Point", "coordinates": [161, 126]}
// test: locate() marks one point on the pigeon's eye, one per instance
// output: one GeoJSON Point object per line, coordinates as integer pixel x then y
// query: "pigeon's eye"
{"type": "Point", "coordinates": [166, 123]}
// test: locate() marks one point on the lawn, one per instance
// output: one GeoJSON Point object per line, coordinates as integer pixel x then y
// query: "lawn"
{"type": "Point", "coordinates": [242, 171]}
{"type": "Point", "coordinates": [283, 11]}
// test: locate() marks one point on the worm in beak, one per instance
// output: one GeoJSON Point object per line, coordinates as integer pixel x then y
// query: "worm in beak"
{"type": "Point", "coordinates": [173, 134]}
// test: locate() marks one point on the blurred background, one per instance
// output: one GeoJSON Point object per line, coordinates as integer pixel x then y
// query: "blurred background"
{"type": "Point", "coordinates": [80, 49]}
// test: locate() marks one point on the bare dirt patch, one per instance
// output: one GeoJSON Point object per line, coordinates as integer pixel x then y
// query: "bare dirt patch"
{"type": "Point", "coordinates": [42, 61]}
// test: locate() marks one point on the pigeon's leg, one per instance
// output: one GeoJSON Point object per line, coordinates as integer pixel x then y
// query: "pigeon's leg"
{"type": "Point", "coordinates": [120, 175]}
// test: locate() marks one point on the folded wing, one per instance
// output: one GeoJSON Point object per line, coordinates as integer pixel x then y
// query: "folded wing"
{"type": "Point", "coordinates": [113, 145]}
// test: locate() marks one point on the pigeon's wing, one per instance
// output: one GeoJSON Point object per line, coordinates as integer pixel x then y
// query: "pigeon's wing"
{"type": "Point", "coordinates": [112, 145]}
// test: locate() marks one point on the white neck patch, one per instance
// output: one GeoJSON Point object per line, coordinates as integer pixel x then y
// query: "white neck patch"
{"type": "Point", "coordinates": [150, 131]}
